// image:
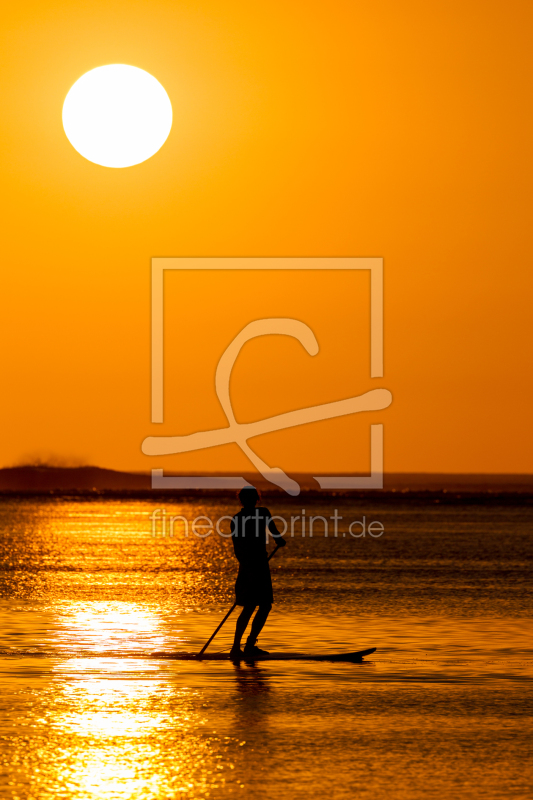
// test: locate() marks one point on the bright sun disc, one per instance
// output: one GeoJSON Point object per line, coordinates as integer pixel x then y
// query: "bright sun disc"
{"type": "Point", "coordinates": [117, 115]}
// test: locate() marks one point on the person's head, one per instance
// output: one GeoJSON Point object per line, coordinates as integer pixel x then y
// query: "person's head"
{"type": "Point", "coordinates": [249, 497]}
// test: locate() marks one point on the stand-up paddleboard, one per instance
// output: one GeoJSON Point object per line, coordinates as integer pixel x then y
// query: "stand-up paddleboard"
{"type": "Point", "coordinates": [353, 657]}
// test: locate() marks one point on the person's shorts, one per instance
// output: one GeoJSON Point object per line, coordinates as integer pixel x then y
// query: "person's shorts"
{"type": "Point", "coordinates": [253, 586]}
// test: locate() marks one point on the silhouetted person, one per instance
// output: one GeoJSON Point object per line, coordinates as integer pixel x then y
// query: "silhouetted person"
{"type": "Point", "coordinates": [253, 586]}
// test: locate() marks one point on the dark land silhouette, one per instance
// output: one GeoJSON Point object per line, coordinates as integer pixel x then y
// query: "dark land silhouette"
{"type": "Point", "coordinates": [43, 479]}
{"type": "Point", "coordinates": [40, 479]}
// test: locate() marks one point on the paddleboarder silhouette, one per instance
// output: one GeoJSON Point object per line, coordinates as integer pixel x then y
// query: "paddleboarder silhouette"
{"type": "Point", "coordinates": [253, 586]}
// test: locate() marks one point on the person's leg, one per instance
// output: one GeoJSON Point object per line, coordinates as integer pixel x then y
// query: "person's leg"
{"type": "Point", "coordinates": [242, 621]}
{"type": "Point", "coordinates": [257, 625]}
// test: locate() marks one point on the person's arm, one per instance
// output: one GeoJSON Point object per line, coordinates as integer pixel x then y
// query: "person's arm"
{"type": "Point", "coordinates": [237, 541]}
{"type": "Point", "coordinates": [276, 535]}
{"type": "Point", "coordinates": [244, 549]}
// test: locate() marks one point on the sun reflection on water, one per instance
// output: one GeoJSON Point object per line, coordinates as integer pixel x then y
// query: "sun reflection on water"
{"type": "Point", "coordinates": [112, 627]}
{"type": "Point", "coordinates": [95, 702]}
{"type": "Point", "coordinates": [111, 724]}
{"type": "Point", "coordinates": [119, 729]}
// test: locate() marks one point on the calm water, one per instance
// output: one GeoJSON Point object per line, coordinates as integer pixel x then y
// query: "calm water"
{"type": "Point", "coordinates": [442, 709]}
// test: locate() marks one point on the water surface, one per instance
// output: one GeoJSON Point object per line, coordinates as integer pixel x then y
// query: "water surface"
{"type": "Point", "coordinates": [442, 708]}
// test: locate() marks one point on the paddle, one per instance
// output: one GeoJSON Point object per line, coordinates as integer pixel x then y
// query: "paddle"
{"type": "Point", "coordinates": [232, 609]}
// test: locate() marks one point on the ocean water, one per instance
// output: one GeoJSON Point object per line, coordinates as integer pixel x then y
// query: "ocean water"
{"type": "Point", "coordinates": [442, 709]}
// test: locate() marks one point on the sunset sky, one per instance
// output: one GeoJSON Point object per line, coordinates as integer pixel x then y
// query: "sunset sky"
{"type": "Point", "coordinates": [399, 130]}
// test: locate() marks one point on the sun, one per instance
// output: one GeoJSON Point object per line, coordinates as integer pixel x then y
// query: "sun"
{"type": "Point", "coordinates": [117, 115]}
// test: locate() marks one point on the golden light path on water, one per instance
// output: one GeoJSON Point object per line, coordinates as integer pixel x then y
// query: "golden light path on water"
{"type": "Point", "coordinates": [120, 728]}
{"type": "Point", "coordinates": [117, 626]}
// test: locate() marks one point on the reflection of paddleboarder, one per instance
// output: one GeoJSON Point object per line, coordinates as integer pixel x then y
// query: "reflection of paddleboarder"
{"type": "Point", "coordinates": [253, 586]}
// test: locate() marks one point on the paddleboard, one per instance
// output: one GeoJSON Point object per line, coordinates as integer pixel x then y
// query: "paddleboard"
{"type": "Point", "coordinates": [353, 657]}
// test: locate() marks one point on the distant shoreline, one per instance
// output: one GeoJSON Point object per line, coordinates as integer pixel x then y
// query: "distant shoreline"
{"type": "Point", "coordinates": [96, 481]}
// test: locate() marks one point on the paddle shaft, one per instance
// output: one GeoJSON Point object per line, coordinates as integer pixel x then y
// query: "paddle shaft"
{"type": "Point", "coordinates": [232, 609]}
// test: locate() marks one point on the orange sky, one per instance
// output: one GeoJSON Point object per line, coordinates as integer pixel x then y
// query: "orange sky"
{"type": "Point", "coordinates": [400, 130]}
